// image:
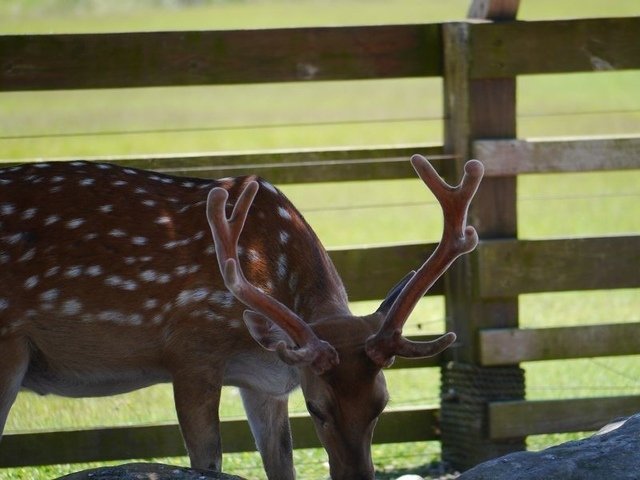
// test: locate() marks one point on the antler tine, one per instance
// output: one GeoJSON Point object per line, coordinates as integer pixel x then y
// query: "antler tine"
{"type": "Point", "coordinates": [457, 239]}
{"type": "Point", "coordinates": [226, 232]}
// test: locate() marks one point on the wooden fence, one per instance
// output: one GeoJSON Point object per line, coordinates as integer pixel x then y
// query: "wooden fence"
{"type": "Point", "coordinates": [483, 412]}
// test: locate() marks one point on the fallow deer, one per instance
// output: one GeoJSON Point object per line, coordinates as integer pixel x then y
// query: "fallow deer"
{"type": "Point", "coordinates": [110, 282]}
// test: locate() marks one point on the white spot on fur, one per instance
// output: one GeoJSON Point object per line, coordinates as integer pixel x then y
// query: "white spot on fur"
{"type": "Point", "coordinates": [12, 239]}
{"type": "Point", "coordinates": [93, 271]}
{"type": "Point", "coordinates": [90, 236]}
{"type": "Point", "coordinates": [52, 271]}
{"type": "Point", "coordinates": [56, 179]}
{"type": "Point", "coordinates": [117, 233]}
{"type": "Point", "coordinates": [31, 282]}
{"type": "Point", "coordinates": [150, 303]}
{"type": "Point", "coordinates": [284, 213]}
{"type": "Point", "coordinates": [28, 255]}
{"type": "Point", "coordinates": [85, 182]}
{"type": "Point", "coordinates": [222, 298]}
{"type": "Point", "coordinates": [149, 203]}
{"type": "Point", "coordinates": [163, 220]}
{"type": "Point", "coordinates": [269, 187]}
{"type": "Point", "coordinates": [71, 307]}
{"type": "Point", "coordinates": [253, 255]}
{"type": "Point", "coordinates": [119, 282]}
{"type": "Point", "coordinates": [51, 219]}
{"type": "Point", "coordinates": [75, 223]}
{"type": "Point", "coordinates": [7, 208]}
{"type": "Point", "coordinates": [50, 295]}
{"type": "Point", "coordinates": [148, 275]}
{"type": "Point", "coordinates": [128, 171]}
{"type": "Point", "coordinates": [281, 267]}
{"type": "Point", "coordinates": [73, 271]}
{"type": "Point", "coordinates": [191, 296]}
{"type": "Point", "coordinates": [140, 191]}
{"type": "Point", "coordinates": [163, 278]}
{"type": "Point", "coordinates": [4, 304]}
{"type": "Point", "coordinates": [139, 240]}
{"type": "Point", "coordinates": [29, 213]}
{"type": "Point", "coordinates": [284, 237]}
{"type": "Point", "coordinates": [103, 166]}
{"type": "Point", "coordinates": [118, 183]}
{"type": "Point", "coordinates": [106, 208]}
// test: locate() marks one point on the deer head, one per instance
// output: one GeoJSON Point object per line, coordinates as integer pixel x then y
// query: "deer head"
{"type": "Point", "coordinates": [340, 357]}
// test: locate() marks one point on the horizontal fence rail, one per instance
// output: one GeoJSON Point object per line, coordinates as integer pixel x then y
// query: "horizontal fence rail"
{"type": "Point", "coordinates": [554, 46]}
{"type": "Point", "coordinates": [287, 166]}
{"type": "Point", "coordinates": [513, 419]}
{"type": "Point", "coordinates": [512, 345]}
{"type": "Point", "coordinates": [517, 157]}
{"type": "Point", "coordinates": [512, 267]}
{"type": "Point", "coordinates": [121, 443]}
{"type": "Point", "coordinates": [117, 60]}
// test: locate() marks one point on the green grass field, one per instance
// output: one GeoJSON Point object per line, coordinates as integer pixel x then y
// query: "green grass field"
{"type": "Point", "coordinates": [159, 120]}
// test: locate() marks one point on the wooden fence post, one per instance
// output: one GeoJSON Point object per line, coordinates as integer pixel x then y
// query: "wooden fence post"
{"type": "Point", "coordinates": [476, 109]}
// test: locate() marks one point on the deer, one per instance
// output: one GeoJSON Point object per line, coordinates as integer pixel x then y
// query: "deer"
{"type": "Point", "coordinates": [113, 279]}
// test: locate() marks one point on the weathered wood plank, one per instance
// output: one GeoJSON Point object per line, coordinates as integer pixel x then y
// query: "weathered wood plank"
{"type": "Point", "coordinates": [477, 108]}
{"type": "Point", "coordinates": [116, 60]}
{"type": "Point", "coordinates": [514, 419]}
{"type": "Point", "coordinates": [516, 48]}
{"type": "Point", "coordinates": [510, 345]}
{"type": "Point", "coordinates": [495, 10]}
{"type": "Point", "coordinates": [370, 272]}
{"type": "Point", "coordinates": [509, 267]}
{"type": "Point", "coordinates": [286, 166]}
{"type": "Point", "coordinates": [515, 157]}
{"type": "Point", "coordinates": [121, 443]}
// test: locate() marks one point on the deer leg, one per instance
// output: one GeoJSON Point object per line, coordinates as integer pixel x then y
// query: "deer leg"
{"type": "Point", "coordinates": [269, 420]}
{"type": "Point", "coordinates": [12, 371]}
{"type": "Point", "coordinates": [197, 404]}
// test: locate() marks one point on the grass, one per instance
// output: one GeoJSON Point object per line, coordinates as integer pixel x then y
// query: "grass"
{"type": "Point", "coordinates": [130, 121]}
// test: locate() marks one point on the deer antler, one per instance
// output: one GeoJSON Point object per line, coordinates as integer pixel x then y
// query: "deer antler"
{"type": "Point", "coordinates": [318, 354]}
{"type": "Point", "coordinates": [457, 239]}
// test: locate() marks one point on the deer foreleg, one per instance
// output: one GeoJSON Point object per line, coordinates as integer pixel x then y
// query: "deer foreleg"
{"type": "Point", "coordinates": [197, 404]}
{"type": "Point", "coordinates": [269, 420]}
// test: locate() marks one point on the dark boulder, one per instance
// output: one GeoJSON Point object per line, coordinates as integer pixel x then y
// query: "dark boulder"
{"type": "Point", "coordinates": [611, 454]}
{"type": "Point", "coordinates": [147, 471]}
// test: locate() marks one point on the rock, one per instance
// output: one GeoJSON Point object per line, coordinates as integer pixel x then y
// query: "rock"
{"type": "Point", "coordinates": [611, 454]}
{"type": "Point", "coordinates": [410, 477]}
{"type": "Point", "coordinates": [147, 471]}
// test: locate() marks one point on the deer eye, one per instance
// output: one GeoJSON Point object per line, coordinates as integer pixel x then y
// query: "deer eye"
{"type": "Point", "coordinates": [315, 412]}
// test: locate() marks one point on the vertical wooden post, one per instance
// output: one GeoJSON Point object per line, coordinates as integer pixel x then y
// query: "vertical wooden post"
{"type": "Point", "coordinates": [474, 109]}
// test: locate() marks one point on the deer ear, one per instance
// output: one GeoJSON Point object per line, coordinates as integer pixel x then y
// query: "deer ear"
{"type": "Point", "coordinates": [319, 356]}
{"type": "Point", "coordinates": [395, 291]}
{"type": "Point", "coordinates": [264, 331]}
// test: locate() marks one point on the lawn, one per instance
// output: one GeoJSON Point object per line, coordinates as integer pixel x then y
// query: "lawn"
{"type": "Point", "coordinates": [223, 118]}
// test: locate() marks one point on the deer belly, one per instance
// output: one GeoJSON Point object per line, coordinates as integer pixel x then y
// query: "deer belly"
{"type": "Point", "coordinates": [85, 363]}
{"type": "Point", "coordinates": [89, 383]}
{"type": "Point", "coordinates": [262, 371]}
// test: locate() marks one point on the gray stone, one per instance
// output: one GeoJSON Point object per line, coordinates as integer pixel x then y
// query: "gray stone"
{"type": "Point", "coordinates": [611, 454]}
{"type": "Point", "coordinates": [148, 471]}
